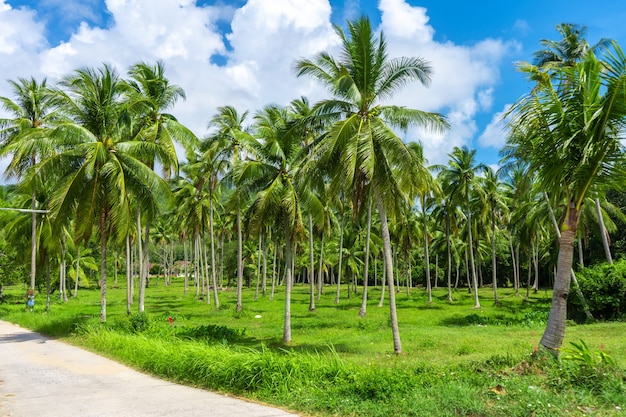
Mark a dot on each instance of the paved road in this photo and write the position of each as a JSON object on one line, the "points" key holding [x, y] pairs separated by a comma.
{"points": [[41, 377]]}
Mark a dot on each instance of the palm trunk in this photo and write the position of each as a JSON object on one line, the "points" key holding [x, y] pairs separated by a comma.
{"points": [[363, 309], [311, 267], [604, 233], [494, 275], [238, 307], [63, 270], [555, 328], [103, 266], [288, 285], [320, 270], [340, 261], [213, 269], [33, 242], [449, 251], [426, 255], [186, 269], [471, 253], [129, 277], [397, 346], [77, 270], [142, 278]]}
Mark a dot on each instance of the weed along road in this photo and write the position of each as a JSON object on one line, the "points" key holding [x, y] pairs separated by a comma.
{"points": [[47, 378]]}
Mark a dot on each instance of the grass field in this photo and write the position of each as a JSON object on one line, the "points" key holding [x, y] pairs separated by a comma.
{"points": [[456, 360]]}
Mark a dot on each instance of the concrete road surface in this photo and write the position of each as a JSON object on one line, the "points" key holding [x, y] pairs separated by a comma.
{"points": [[41, 377]]}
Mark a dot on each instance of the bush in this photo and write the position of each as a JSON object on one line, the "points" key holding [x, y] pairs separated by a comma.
{"points": [[604, 289]]}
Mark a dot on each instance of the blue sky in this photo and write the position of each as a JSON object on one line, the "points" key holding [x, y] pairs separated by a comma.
{"points": [[240, 52]]}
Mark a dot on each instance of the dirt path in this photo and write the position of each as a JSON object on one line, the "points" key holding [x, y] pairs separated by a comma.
{"points": [[41, 377]]}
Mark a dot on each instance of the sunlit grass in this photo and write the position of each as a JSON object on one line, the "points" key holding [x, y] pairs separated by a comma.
{"points": [[456, 360]]}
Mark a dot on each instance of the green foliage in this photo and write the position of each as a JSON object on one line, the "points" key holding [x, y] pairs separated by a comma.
{"points": [[594, 371], [604, 289], [139, 322], [212, 332]]}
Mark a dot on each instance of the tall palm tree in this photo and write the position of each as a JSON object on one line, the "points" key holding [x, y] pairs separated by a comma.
{"points": [[461, 177], [99, 171], [361, 146], [569, 130], [236, 142], [24, 136], [150, 96], [272, 176], [426, 188], [497, 209]]}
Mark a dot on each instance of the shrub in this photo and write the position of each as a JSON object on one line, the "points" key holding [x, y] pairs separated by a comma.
{"points": [[604, 289]]}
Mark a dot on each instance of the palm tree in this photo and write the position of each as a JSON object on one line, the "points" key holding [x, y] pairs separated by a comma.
{"points": [[98, 172], [150, 95], [272, 176], [460, 175], [24, 136], [361, 148], [497, 209], [570, 49], [426, 188], [235, 142], [569, 130]]}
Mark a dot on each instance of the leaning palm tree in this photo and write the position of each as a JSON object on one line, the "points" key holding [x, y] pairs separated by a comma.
{"points": [[361, 148], [24, 136], [569, 130], [99, 172]]}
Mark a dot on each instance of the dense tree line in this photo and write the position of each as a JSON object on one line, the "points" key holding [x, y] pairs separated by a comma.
{"points": [[324, 194]]}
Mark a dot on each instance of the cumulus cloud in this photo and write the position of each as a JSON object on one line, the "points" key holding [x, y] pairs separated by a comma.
{"points": [[252, 65], [494, 134]]}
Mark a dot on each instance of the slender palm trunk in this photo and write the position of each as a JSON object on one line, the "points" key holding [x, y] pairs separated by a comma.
{"points": [[471, 253], [63, 270], [339, 272], [320, 270], [77, 270], [186, 269], [397, 346], [604, 233], [213, 269], [238, 307], [33, 242], [265, 253], [48, 288], [129, 277], [494, 275], [366, 267], [142, 277], [311, 267], [103, 266], [258, 267], [426, 255], [449, 251], [581, 257], [288, 286]]}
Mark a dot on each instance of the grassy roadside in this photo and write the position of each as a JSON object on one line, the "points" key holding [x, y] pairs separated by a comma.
{"points": [[457, 360]]}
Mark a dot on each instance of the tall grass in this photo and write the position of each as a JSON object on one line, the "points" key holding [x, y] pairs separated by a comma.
{"points": [[457, 360]]}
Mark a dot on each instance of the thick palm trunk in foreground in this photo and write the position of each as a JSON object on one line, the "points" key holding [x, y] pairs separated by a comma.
{"points": [[555, 329]]}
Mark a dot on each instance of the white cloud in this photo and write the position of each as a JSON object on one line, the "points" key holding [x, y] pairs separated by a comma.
{"points": [[494, 134], [267, 37]]}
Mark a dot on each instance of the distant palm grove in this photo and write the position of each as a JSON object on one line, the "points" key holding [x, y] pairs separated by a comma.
{"points": [[322, 194]]}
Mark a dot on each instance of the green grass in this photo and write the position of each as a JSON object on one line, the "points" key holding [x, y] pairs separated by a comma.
{"points": [[456, 360]]}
